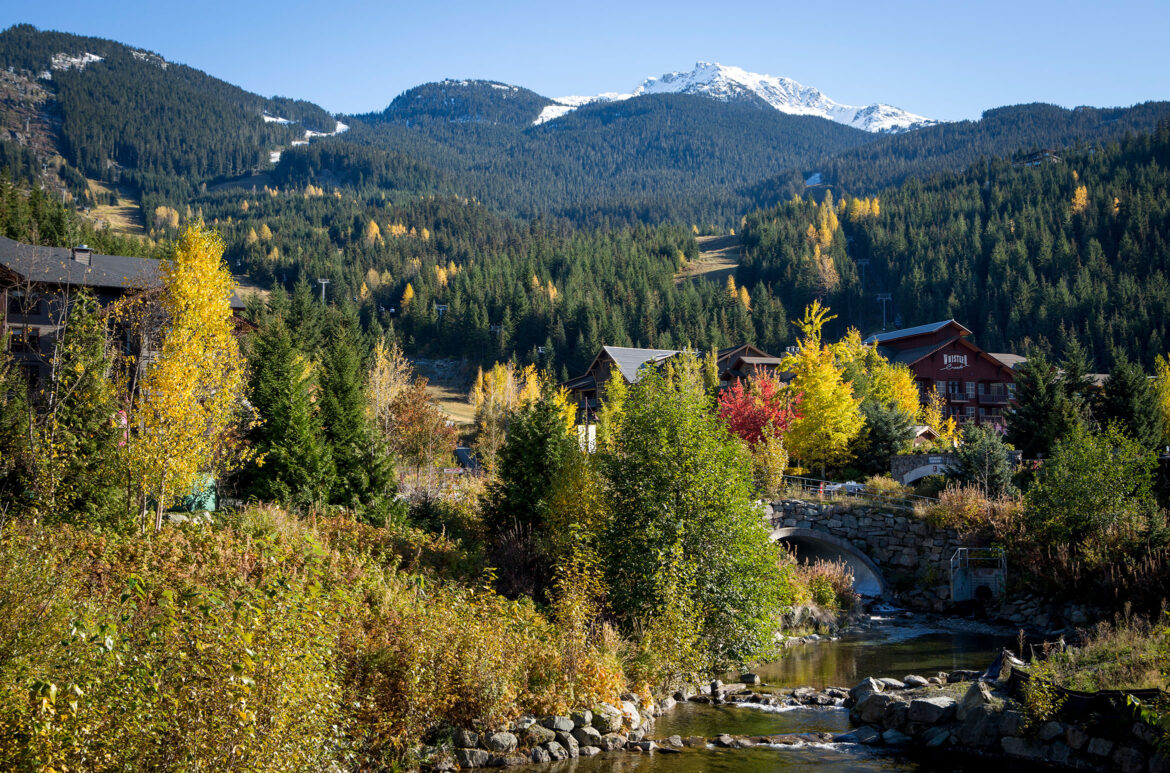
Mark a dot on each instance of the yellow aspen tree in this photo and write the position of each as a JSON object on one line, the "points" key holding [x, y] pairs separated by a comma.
{"points": [[830, 416], [745, 299], [407, 295], [932, 416], [189, 403], [373, 279], [874, 207], [424, 234], [265, 232], [372, 234], [252, 237], [244, 205], [390, 376], [729, 287], [1080, 201]]}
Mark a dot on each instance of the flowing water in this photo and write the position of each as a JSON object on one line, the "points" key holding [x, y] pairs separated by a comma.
{"points": [[891, 647]]}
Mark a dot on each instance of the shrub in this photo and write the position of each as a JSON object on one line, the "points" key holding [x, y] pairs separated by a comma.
{"points": [[968, 510]]}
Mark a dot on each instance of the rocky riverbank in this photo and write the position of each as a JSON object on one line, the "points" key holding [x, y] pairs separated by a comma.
{"points": [[978, 718]]}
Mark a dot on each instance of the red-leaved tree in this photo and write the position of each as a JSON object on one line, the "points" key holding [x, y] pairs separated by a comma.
{"points": [[764, 407]]}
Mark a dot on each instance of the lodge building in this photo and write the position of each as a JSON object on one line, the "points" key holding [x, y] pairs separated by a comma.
{"points": [[36, 287], [977, 385]]}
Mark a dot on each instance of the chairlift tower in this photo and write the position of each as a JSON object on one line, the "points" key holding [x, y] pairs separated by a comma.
{"points": [[322, 282], [883, 299]]}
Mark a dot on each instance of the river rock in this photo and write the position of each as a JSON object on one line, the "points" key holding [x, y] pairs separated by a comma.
{"points": [[582, 718], [607, 718], [933, 710], [936, 736], [540, 755], [1058, 753], [501, 743], [635, 735], [589, 751], [867, 735], [466, 739], [473, 758], [894, 738], [1100, 747], [896, 715], [750, 679], [914, 681], [674, 740], [556, 751], [611, 741], [892, 684], [977, 696], [558, 724], [1128, 760], [523, 723], [980, 728], [587, 736], [872, 707], [1022, 747], [1075, 737], [1050, 730], [537, 735], [866, 687], [630, 712], [569, 742]]}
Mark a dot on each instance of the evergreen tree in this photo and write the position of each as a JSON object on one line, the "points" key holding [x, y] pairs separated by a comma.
{"points": [[293, 463], [888, 431], [1129, 400], [364, 478], [1042, 412], [982, 460], [1074, 376]]}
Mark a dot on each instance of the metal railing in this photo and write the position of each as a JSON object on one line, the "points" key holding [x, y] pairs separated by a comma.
{"points": [[817, 488], [973, 568]]}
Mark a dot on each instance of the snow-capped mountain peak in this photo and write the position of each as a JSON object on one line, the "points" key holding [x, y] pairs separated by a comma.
{"points": [[726, 83]]}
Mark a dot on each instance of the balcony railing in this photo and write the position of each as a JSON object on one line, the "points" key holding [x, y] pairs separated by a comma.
{"points": [[993, 399]]}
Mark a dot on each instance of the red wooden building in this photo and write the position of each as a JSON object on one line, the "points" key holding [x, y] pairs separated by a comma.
{"points": [[977, 385]]}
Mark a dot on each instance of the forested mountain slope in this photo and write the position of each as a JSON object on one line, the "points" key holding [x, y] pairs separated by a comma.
{"points": [[1019, 254], [129, 114]]}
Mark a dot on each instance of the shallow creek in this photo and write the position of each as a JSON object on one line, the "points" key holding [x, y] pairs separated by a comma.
{"points": [[889, 647]]}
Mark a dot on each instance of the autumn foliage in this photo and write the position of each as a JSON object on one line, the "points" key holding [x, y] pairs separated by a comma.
{"points": [[762, 407]]}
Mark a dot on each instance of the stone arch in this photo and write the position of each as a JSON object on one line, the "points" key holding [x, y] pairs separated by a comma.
{"points": [[811, 544], [924, 470]]}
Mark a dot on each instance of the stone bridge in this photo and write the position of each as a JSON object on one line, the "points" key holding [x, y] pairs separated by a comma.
{"points": [[890, 551]]}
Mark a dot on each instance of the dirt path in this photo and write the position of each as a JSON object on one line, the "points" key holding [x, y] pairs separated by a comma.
{"points": [[125, 217], [718, 258]]}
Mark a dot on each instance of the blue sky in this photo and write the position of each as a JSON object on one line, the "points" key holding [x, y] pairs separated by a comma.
{"points": [[943, 59]]}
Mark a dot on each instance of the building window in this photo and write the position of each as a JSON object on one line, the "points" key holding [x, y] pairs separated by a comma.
{"points": [[997, 390], [970, 411], [971, 389], [953, 387]]}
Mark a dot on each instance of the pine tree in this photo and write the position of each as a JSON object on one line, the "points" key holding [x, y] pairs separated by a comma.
{"points": [[1042, 412], [292, 462], [1074, 377], [364, 477], [1129, 400], [982, 460]]}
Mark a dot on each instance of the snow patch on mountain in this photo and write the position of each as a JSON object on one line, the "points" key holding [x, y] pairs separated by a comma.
{"points": [[65, 61], [733, 84]]}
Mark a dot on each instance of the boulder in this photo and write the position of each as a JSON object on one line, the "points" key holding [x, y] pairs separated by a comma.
{"points": [[558, 724], [466, 739], [894, 738], [725, 741], [977, 696], [540, 754], [630, 712], [914, 681], [674, 740], [510, 760], [523, 723], [536, 735], [936, 736], [1022, 747], [607, 718], [569, 743], [1011, 722], [980, 728], [871, 707], [867, 735], [896, 716], [1075, 737], [866, 687], [646, 746], [587, 736], [750, 679], [501, 743], [1050, 731], [1100, 747], [665, 705], [589, 751], [1058, 753], [556, 751], [611, 741], [583, 718], [892, 684], [933, 710], [635, 735], [473, 758]]}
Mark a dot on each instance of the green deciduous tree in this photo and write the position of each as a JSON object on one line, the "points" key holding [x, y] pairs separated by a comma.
{"points": [[679, 490], [1095, 493]]}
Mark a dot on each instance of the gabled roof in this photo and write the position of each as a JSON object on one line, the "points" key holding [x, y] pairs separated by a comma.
{"points": [[932, 327], [55, 265], [1012, 361], [629, 361]]}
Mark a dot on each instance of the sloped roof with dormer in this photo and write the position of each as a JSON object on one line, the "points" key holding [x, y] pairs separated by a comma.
{"points": [[931, 327]]}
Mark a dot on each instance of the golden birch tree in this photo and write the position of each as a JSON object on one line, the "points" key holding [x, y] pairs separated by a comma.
{"points": [[187, 408]]}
